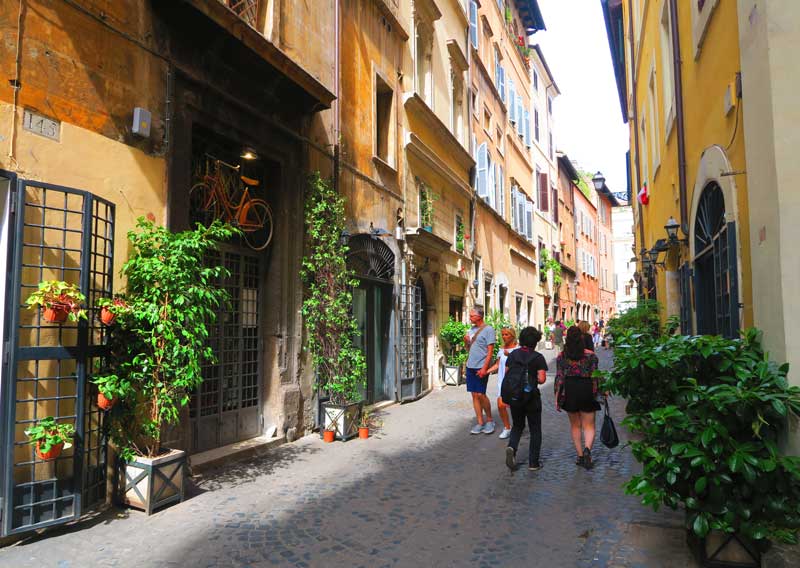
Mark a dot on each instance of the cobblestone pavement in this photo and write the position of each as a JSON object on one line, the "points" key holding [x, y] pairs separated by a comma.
{"points": [[423, 492]]}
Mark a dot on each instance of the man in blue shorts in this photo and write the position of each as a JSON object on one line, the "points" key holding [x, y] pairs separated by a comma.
{"points": [[480, 340]]}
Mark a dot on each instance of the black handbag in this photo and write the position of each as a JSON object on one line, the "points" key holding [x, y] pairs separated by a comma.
{"points": [[608, 433]]}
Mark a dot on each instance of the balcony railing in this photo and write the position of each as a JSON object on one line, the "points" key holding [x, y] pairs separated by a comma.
{"points": [[247, 10]]}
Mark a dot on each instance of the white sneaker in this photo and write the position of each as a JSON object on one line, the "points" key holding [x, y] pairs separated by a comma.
{"points": [[505, 433], [488, 428], [477, 429]]}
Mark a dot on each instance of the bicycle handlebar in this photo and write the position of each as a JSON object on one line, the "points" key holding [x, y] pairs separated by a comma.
{"points": [[224, 163]]}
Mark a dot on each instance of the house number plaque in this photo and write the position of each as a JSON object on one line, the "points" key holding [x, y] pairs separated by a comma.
{"points": [[41, 125]]}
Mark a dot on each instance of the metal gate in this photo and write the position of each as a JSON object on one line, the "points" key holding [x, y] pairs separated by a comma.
{"points": [[411, 348], [58, 234], [226, 408]]}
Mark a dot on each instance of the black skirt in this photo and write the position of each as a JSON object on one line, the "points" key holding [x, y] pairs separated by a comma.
{"points": [[579, 395]]}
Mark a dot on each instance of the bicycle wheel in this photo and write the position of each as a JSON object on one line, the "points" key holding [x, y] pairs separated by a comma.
{"points": [[203, 205], [256, 224]]}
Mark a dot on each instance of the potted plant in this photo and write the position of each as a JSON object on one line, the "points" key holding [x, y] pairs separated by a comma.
{"points": [[426, 199], [59, 301], [709, 412], [339, 364], [157, 351], [368, 421], [50, 437], [455, 352], [110, 388], [110, 307]]}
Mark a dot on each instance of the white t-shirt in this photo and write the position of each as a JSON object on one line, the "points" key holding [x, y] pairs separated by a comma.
{"points": [[501, 368]]}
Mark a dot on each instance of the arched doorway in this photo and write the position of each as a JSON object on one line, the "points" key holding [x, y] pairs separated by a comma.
{"points": [[715, 266], [373, 264]]}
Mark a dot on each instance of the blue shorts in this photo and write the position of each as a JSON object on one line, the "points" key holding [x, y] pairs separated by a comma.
{"points": [[475, 383]]}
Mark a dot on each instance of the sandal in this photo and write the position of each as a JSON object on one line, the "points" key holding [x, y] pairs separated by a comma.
{"points": [[587, 458]]}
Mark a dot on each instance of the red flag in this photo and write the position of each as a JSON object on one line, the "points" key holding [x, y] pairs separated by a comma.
{"points": [[644, 197]]}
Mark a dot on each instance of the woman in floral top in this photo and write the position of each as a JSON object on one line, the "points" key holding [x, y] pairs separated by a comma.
{"points": [[576, 392]]}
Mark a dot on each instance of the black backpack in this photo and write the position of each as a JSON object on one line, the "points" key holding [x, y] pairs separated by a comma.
{"points": [[518, 388]]}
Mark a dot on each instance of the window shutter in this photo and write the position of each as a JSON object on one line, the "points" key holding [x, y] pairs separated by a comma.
{"points": [[521, 199], [490, 187], [497, 68], [527, 125], [529, 220], [543, 190], [555, 205], [512, 105], [514, 207], [536, 124], [502, 85], [501, 193], [473, 23], [520, 116], [482, 165]]}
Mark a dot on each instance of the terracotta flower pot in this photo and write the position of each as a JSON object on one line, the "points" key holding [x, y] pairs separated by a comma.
{"points": [[104, 403], [55, 313], [363, 433], [54, 452], [106, 316], [329, 435]]}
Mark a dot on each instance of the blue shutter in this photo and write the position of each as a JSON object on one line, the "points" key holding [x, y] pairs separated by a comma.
{"points": [[512, 101], [529, 220], [488, 196], [473, 23], [482, 166], [520, 116], [527, 127], [501, 192]]}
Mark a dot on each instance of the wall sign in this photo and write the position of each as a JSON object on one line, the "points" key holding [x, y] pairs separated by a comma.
{"points": [[41, 125]]}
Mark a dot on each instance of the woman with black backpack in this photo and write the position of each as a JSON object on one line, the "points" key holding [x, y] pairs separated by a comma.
{"points": [[525, 371]]}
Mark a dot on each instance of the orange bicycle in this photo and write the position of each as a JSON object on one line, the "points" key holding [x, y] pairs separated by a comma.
{"points": [[214, 198]]}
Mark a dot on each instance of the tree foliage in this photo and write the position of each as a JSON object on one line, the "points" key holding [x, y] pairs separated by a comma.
{"points": [[159, 343]]}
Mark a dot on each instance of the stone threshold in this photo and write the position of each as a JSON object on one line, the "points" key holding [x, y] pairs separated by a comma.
{"points": [[204, 461]]}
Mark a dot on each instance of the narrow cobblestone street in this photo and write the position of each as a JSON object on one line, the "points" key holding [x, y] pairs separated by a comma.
{"points": [[423, 492]]}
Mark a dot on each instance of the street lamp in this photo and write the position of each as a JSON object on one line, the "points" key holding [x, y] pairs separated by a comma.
{"points": [[599, 181], [672, 227]]}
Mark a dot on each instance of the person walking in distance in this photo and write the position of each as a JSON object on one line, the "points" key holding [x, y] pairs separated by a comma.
{"points": [[588, 342], [576, 392], [480, 341], [558, 335], [509, 344], [525, 370]]}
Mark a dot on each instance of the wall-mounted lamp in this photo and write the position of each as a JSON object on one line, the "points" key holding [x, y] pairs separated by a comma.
{"points": [[599, 181], [248, 154], [475, 284], [344, 238]]}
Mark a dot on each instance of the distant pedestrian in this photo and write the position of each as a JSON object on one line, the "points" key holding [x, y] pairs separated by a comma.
{"points": [[576, 392], [509, 336], [480, 340], [530, 407], [596, 335], [588, 342], [558, 335]]}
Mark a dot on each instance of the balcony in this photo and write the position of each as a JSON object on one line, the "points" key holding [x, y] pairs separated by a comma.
{"points": [[247, 10]]}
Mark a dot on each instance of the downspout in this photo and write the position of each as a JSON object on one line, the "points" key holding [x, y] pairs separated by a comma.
{"points": [[676, 65], [336, 102], [635, 122]]}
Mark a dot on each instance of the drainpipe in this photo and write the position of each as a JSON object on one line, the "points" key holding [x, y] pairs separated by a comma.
{"points": [[337, 107], [676, 65], [635, 119]]}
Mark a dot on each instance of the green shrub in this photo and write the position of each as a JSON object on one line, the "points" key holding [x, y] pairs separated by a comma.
{"points": [[642, 318], [710, 423], [452, 337]]}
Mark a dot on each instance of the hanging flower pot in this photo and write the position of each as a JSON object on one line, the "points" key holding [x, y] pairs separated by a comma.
{"points": [[51, 454], [59, 301], [106, 316], [55, 313], [329, 435], [104, 403]]}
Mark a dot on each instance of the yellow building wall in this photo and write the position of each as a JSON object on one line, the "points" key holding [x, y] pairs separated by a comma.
{"points": [[705, 80]]}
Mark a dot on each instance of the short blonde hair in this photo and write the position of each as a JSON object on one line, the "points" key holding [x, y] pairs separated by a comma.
{"points": [[584, 326], [511, 330]]}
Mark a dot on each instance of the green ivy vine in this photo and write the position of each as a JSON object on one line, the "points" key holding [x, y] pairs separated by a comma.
{"points": [[547, 264], [327, 308]]}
